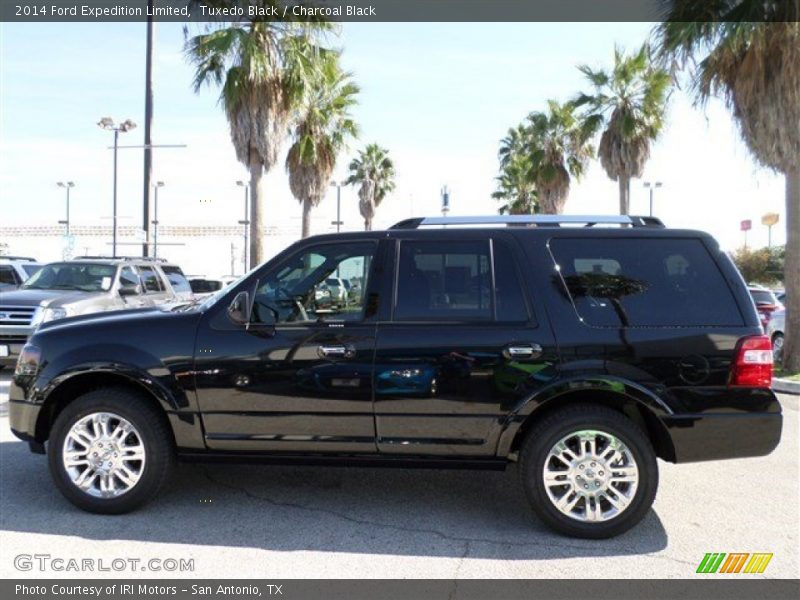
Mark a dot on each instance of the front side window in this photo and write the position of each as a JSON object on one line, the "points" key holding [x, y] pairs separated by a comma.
{"points": [[128, 277], [443, 281], [84, 277], [647, 282], [301, 289], [7, 275]]}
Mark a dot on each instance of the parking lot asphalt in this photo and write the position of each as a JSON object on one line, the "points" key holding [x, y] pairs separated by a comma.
{"points": [[321, 522]]}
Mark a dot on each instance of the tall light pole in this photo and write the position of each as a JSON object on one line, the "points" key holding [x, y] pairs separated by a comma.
{"points": [[651, 186], [107, 123], [148, 122], [245, 222], [445, 193], [338, 222], [156, 185], [68, 185]]}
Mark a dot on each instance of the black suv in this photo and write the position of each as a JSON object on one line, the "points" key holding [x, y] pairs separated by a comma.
{"points": [[580, 353]]}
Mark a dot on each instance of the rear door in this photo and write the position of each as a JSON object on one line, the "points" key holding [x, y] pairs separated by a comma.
{"points": [[460, 346], [155, 290]]}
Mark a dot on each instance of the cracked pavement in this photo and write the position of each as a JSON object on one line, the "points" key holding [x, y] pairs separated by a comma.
{"points": [[320, 522]]}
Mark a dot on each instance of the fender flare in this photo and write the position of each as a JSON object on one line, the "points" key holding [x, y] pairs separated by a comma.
{"points": [[533, 404]]}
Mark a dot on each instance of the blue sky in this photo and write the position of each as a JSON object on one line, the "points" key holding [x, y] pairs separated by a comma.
{"points": [[439, 96]]}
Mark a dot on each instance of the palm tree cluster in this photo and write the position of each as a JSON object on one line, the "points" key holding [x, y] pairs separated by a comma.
{"points": [[279, 80], [748, 52], [540, 158]]}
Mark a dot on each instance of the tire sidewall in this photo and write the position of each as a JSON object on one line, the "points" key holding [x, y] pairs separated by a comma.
{"points": [[142, 420], [627, 432]]}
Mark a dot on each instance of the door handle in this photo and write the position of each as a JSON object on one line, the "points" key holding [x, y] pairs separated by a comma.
{"points": [[522, 351], [336, 351]]}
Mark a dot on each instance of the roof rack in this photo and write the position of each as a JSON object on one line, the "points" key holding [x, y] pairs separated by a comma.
{"points": [[537, 220], [126, 258], [27, 258]]}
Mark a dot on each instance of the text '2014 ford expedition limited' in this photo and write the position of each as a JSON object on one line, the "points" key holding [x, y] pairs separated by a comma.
{"points": [[580, 353]]}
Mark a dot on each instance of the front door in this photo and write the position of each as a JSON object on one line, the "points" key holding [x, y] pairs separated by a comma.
{"points": [[461, 349], [299, 378]]}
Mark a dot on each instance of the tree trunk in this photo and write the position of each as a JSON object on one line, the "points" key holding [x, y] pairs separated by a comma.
{"points": [[256, 212], [306, 218], [791, 273], [624, 195], [367, 224]]}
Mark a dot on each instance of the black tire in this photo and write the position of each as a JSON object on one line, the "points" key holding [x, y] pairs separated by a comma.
{"points": [[554, 427], [155, 437]]}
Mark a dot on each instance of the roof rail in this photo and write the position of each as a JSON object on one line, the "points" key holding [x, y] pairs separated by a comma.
{"points": [[126, 258], [27, 258], [537, 220]]}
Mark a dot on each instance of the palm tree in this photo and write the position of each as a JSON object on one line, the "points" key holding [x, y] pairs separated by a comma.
{"points": [[631, 102], [558, 146], [748, 51], [323, 124], [515, 186], [263, 68], [373, 171]]}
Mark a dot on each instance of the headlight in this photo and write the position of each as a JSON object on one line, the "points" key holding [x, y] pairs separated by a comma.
{"points": [[28, 361], [45, 314]]}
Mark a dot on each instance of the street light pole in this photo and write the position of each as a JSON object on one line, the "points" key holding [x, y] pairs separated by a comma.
{"points": [[245, 222], [108, 124], [651, 187], [338, 222], [158, 184], [68, 185]]}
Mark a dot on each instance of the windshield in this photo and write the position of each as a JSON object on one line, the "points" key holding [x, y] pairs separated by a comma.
{"points": [[84, 277]]}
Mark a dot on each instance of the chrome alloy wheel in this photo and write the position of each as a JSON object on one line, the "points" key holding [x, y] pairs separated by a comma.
{"points": [[104, 455], [590, 476]]}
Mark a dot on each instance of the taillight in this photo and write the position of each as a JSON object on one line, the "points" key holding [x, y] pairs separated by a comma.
{"points": [[752, 363]]}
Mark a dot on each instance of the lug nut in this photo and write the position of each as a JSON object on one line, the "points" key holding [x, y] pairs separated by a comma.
{"points": [[601, 473], [593, 464], [583, 466], [586, 486]]}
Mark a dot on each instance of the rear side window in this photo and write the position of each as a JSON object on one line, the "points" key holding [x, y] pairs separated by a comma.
{"points": [[177, 279], [644, 283], [150, 279], [444, 280]]}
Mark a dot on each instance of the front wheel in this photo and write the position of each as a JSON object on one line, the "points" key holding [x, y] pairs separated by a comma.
{"points": [[110, 451], [588, 471]]}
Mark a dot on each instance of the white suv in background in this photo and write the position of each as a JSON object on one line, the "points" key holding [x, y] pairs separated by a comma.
{"points": [[14, 270]]}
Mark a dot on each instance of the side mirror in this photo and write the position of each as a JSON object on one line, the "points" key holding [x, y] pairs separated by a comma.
{"points": [[239, 309], [130, 290]]}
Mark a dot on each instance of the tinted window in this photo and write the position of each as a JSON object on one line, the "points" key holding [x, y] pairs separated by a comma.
{"points": [[150, 279], [644, 282], [508, 292], [298, 290], [763, 297], [177, 279], [205, 286], [7, 275], [31, 269], [443, 280], [128, 277]]}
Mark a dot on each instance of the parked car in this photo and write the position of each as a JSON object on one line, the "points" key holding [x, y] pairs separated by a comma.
{"points": [[14, 270], [766, 303], [775, 329], [780, 295], [80, 287], [338, 290], [582, 354]]}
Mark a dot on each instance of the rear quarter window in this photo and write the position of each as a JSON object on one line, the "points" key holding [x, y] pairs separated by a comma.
{"points": [[177, 279], [644, 282]]}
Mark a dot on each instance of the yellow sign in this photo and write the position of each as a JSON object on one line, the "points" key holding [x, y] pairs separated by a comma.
{"points": [[770, 219]]}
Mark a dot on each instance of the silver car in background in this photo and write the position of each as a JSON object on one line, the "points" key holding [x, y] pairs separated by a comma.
{"points": [[775, 329]]}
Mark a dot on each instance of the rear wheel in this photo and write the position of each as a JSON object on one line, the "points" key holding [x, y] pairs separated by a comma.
{"points": [[588, 471], [110, 451]]}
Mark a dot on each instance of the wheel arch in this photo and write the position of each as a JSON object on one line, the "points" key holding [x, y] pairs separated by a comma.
{"points": [[640, 412], [68, 389]]}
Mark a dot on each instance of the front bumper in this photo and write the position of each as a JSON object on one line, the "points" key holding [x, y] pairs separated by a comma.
{"points": [[22, 416]]}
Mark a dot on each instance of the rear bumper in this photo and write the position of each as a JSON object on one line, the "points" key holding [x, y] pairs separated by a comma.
{"points": [[717, 436]]}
